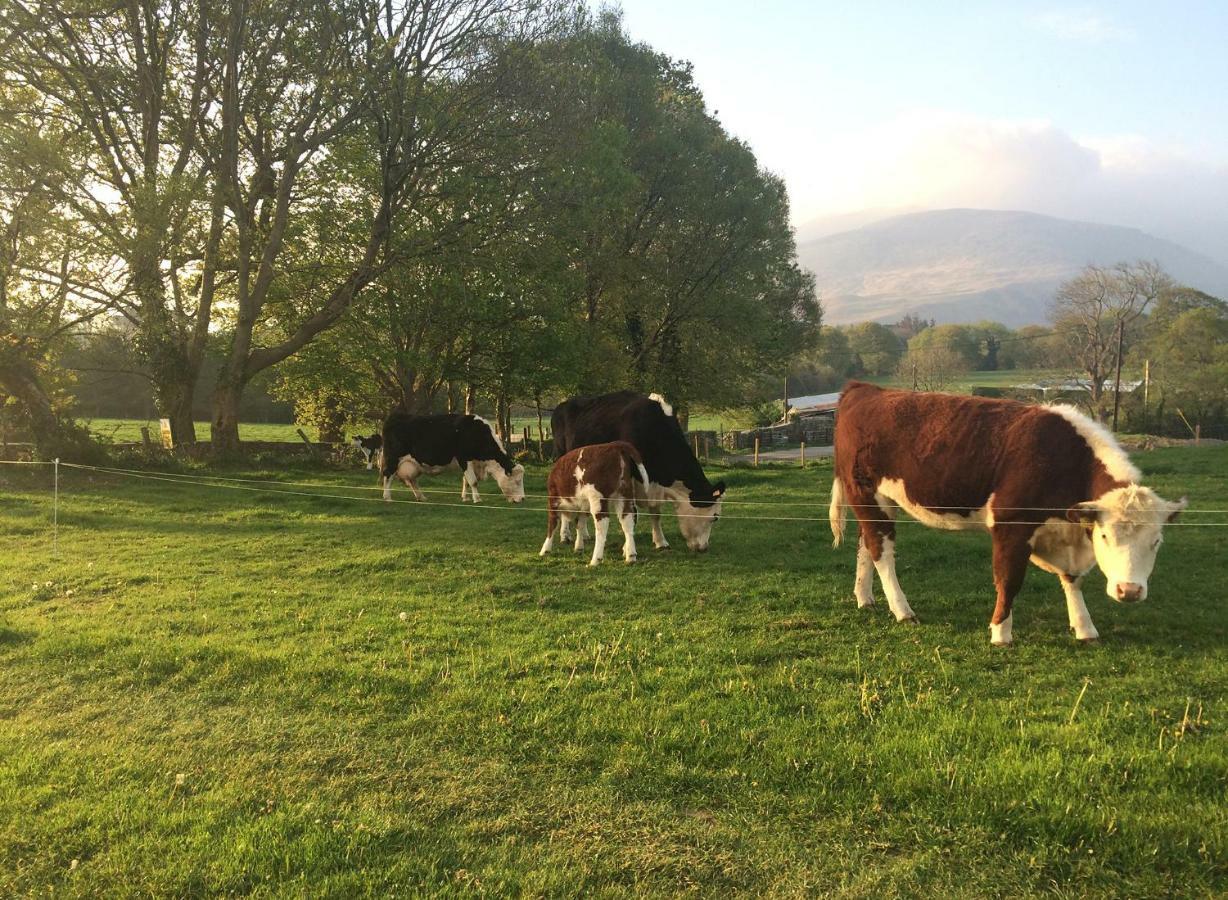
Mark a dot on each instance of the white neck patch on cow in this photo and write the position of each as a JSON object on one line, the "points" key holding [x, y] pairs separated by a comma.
{"points": [[1102, 442], [494, 434], [669, 410]]}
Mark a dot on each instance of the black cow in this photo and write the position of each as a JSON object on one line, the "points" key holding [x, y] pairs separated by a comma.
{"points": [[369, 446], [414, 445], [649, 425]]}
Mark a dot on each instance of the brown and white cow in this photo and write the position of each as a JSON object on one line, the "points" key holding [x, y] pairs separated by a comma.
{"points": [[599, 480], [1049, 484]]}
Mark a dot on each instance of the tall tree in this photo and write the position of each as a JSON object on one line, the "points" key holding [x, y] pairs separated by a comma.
{"points": [[132, 78], [298, 82], [1098, 313]]}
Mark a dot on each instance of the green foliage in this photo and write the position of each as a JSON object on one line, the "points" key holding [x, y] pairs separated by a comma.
{"points": [[875, 347]]}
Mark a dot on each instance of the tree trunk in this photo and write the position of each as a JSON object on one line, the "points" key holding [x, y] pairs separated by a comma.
{"points": [[470, 396], [224, 429]]}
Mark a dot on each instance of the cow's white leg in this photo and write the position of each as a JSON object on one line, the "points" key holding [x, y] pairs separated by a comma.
{"points": [[470, 479], [388, 488], [413, 486], [658, 533], [1000, 634], [549, 544], [601, 527], [1076, 609], [885, 564], [578, 520], [626, 520], [863, 587], [464, 486]]}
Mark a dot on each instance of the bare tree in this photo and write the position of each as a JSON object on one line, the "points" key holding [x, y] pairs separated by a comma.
{"points": [[1098, 312]]}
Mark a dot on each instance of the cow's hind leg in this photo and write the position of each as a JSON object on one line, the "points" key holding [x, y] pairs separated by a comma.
{"points": [[601, 528], [1010, 562], [878, 536], [552, 516], [863, 587]]}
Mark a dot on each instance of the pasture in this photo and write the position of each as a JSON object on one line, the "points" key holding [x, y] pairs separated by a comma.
{"points": [[215, 690]]}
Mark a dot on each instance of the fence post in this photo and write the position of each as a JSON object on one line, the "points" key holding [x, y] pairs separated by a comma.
{"points": [[756, 451], [803, 454], [55, 512]]}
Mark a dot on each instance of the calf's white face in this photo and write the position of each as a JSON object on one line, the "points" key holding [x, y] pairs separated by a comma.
{"points": [[511, 485], [1126, 528]]}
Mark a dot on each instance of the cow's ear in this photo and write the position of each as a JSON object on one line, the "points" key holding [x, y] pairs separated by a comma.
{"points": [[718, 489], [1174, 509], [1083, 513]]}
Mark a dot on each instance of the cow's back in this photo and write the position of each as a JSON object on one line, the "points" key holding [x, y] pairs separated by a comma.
{"points": [[956, 450]]}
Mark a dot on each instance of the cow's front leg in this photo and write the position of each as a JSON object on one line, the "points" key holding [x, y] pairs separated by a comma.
{"points": [[658, 533], [470, 479], [863, 587], [1076, 609], [1010, 562], [626, 520], [388, 488], [578, 520]]}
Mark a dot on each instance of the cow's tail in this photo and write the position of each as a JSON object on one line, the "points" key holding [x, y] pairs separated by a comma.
{"points": [[635, 461], [836, 512]]}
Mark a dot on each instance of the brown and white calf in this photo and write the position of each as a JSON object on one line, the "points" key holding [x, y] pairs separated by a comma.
{"points": [[599, 480], [1050, 485]]}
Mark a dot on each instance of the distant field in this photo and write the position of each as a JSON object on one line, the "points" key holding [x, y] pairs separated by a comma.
{"points": [[124, 430], [216, 691]]}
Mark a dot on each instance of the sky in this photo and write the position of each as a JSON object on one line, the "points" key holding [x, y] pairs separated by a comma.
{"points": [[1113, 112]]}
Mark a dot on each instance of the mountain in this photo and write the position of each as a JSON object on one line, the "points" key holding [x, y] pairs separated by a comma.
{"points": [[963, 265]]}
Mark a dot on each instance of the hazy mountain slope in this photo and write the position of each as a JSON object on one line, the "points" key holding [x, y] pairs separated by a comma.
{"points": [[960, 265]]}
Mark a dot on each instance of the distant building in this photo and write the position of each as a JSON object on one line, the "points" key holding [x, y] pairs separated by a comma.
{"points": [[813, 405]]}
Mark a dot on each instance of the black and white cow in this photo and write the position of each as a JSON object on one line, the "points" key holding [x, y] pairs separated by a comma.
{"points": [[369, 447], [649, 425], [414, 445]]}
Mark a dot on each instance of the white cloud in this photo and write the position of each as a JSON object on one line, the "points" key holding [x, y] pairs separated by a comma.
{"points": [[1082, 25], [929, 159]]}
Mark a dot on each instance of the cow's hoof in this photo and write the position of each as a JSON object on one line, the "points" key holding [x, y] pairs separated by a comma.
{"points": [[662, 547], [910, 620], [1001, 644], [868, 604], [1088, 642]]}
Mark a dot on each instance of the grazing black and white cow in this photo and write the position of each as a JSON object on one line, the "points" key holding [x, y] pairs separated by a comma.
{"points": [[600, 480], [414, 445], [649, 425], [1048, 483], [369, 447]]}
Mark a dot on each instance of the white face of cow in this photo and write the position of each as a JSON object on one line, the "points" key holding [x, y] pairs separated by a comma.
{"points": [[695, 522], [511, 485], [1126, 527]]}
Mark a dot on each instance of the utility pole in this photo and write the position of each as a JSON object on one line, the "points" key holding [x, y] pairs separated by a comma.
{"points": [[1121, 329]]}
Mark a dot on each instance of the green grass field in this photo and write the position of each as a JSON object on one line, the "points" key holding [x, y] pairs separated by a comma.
{"points": [[216, 691]]}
